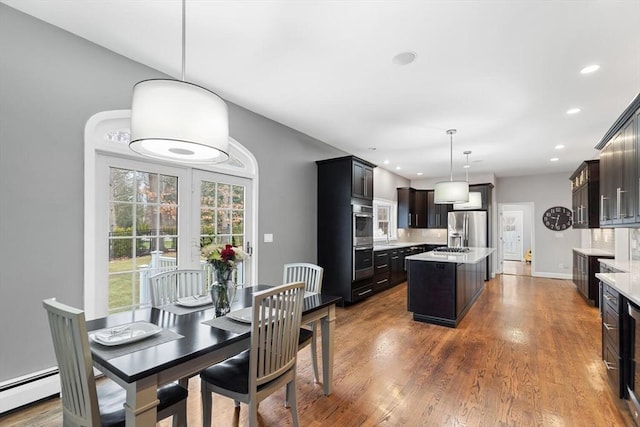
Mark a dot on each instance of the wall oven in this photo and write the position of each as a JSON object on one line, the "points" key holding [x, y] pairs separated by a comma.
{"points": [[362, 225]]}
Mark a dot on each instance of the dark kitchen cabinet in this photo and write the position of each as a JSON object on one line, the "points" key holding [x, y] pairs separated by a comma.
{"points": [[437, 214], [382, 270], [585, 186], [440, 292], [396, 259], [612, 338], [485, 197], [412, 208], [362, 180], [338, 189], [585, 268], [619, 173]]}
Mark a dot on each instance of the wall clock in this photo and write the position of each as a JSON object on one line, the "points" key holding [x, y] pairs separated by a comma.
{"points": [[557, 218]]}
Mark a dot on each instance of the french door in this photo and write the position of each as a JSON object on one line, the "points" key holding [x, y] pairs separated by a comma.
{"points": [[153, 217], [512, 235]]}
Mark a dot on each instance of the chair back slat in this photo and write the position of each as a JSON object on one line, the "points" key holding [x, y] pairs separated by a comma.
{"points": [[274, 342], [167, 287], [71, 346], [310, 274]]}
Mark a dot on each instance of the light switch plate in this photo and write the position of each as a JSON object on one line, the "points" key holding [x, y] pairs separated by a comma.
{"points": [[268, 238]]}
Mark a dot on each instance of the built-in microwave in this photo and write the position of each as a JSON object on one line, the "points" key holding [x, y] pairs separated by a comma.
{"points": [[362, 225]]}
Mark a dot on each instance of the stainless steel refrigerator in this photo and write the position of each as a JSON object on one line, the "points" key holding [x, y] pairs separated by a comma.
{"points": [[469, 229]]}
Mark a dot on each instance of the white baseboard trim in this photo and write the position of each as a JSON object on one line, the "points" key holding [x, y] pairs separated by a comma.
{"points": [[564, 276], [21, 391]]}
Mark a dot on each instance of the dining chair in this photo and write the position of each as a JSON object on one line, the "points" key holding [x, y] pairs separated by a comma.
{"points": [[167, 287], [84, 404], [311, 275], [270, 361]]}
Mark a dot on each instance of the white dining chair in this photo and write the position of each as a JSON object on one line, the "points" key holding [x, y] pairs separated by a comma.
{"points": [[270, 362], [311, 275], [167, 287], [84, 404]]}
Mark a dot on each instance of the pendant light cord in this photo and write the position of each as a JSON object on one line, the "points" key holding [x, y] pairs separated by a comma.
{"points": [[451, 157], [184, 32]]}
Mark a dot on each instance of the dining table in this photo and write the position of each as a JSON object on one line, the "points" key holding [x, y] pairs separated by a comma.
{"points": [[190, 340]]}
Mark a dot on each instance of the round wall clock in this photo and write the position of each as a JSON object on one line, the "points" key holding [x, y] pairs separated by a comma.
{"points": [[557, 218]]}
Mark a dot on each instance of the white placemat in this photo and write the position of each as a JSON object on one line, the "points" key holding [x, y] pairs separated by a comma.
{"points": [[111, 352], [180, 310], [228, 325]]}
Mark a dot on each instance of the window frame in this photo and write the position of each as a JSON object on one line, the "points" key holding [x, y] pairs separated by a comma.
{"points": [[392, 220], [102, 137]]}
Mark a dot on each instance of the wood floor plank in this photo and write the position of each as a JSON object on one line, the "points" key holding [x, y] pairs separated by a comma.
{"points": [[526, 354]]}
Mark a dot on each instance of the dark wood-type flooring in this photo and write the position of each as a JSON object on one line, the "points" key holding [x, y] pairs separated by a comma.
{"points": [[526, 354]]}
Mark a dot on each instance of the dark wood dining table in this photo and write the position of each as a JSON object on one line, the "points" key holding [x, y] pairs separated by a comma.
{"points": [[198, 346]]}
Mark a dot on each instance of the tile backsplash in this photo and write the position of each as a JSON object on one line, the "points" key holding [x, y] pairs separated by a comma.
{"points": [[602, 238], [634, 243]]}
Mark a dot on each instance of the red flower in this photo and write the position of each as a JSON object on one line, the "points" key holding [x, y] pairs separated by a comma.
{"points": [[228, 253]]}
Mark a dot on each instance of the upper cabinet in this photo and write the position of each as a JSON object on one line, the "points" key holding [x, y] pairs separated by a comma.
{"points": [[412, 208], [438, 214], [585, 187], [483, 191], [619, 172], [362, 179]]}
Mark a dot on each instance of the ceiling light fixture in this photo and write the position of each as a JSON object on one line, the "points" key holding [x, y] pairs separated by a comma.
{"points": [[386, 162], [590, 69], [554, 159], [419, 174], [573, 111], [179, 121], [451, 191], [475, 197], [559, 147]]}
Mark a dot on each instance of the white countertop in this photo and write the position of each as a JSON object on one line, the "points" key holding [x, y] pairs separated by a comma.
{"points": [[628, 284], [593, 252], [624, 266], [396, 245], [473, 256]]}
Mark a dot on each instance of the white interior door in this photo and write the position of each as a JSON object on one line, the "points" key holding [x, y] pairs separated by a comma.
{"points": [[223, 214], [512, 235]]}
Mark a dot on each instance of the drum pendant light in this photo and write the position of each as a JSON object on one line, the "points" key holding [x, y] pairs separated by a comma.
{"points": [[179, 121], [447, 192], [475, 197]]}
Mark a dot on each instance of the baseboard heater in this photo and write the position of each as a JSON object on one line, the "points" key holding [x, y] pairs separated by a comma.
{"points": [[18, 392]]}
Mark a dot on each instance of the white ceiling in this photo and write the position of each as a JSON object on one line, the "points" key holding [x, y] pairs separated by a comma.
{"points": [[503, 73]]}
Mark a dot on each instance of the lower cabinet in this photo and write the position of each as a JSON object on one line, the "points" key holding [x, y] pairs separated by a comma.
{"points": [[441, 293], [585, 268], [381, 270]]}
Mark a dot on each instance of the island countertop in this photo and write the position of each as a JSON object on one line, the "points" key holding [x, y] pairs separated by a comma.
{"points": [[473, 256]]}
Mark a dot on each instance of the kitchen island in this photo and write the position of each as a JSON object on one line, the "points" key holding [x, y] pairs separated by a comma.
{"points": [[442, 286]]}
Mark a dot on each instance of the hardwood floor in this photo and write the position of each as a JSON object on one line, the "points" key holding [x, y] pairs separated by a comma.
{"points": [[526, 354], [519, 268]]}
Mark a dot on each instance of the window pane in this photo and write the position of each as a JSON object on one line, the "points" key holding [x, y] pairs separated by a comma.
{"points": [[208, 194], [121, 218], [238, 197], [224, 195], [223, 222], [238, 222], [121, 184], [147, 187], [168, 189]]}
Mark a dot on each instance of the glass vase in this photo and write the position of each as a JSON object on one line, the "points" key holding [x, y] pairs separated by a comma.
{"points": [[223, 291]]}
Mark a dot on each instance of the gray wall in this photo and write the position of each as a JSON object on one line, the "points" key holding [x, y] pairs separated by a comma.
{"points": [[386, 184], [51, 82], [550, 249]]}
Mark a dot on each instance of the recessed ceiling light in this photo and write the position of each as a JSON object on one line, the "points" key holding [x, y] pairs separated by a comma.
{"points": [[554, 159], [590, 69], [404, 58], [573, 111], [419, 173], [398, 168], [372, 148], [386, 162], [559, 147]]}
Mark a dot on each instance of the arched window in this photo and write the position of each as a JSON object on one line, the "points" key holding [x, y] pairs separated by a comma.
{"points": [[143, 216]]}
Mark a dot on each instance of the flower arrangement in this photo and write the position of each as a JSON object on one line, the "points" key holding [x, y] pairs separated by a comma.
{"points": [[223, 258]]}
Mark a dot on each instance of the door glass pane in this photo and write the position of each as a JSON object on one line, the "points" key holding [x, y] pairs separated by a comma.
{"points": [[143, 234], [222, 216]]}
